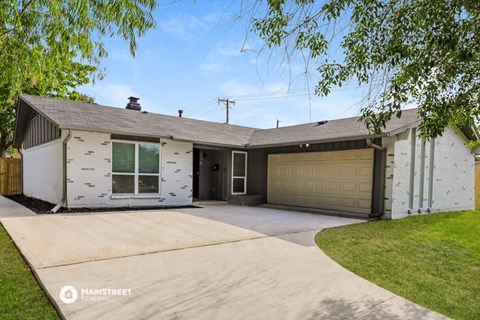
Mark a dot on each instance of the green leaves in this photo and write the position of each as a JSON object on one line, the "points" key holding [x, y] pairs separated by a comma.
{"points": [[51, 47], [407, 52]]}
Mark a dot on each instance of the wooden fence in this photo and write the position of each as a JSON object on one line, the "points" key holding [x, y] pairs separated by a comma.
{"points": [[10, 177], [477, 186]]}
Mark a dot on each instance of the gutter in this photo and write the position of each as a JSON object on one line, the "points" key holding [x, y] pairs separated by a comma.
{"points": [[64, 162]]}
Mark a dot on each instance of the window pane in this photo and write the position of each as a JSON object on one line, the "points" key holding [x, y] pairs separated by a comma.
{"points": [[239, 164], [123, 157], [149, 158], [238, 185], [123, 184], [148, 184]]}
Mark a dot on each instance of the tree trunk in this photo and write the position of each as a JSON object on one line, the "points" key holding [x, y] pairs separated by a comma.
{"points": [[4, 144]]}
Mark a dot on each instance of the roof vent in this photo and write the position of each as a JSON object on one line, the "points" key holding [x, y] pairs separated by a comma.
{"points": [[133, 104], [180, 112], [319, 123]]}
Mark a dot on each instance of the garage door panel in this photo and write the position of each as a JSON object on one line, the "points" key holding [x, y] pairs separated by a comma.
{"points": [[365, 187], [295, 199], [296, 185], [321, 156], [350, 155], [296, 171], [349, 202], [365, 154], [308, 200], [365, 172], [334, 156], [321, 172], [364, 204], [334, 186], [349, 187], [308, 171], [334, 172], [284, 171], [308, 156], [320, 186], [334, 201], [340, 180], [307, 187], [283, 185], [350, 172]]}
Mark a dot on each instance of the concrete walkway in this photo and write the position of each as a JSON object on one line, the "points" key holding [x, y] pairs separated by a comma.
{"points": [[11, 209], [221, 262]]}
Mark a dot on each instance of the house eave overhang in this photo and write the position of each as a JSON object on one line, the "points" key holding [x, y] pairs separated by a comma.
{"points": [[173, 138], [403, 128], [470, 132], [313, 141]]}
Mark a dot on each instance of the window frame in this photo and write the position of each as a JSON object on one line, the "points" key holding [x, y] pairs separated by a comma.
{"points": [[239, 177], [137, 172]]}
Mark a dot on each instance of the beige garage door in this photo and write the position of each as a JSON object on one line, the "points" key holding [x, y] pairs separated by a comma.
{"points": [[340, 180]]}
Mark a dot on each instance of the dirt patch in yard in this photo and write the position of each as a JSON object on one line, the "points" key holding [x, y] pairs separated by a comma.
{"points": [[40, 206]]}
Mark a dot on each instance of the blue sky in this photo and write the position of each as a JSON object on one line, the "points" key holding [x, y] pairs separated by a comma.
{"points": [[195, 57]]}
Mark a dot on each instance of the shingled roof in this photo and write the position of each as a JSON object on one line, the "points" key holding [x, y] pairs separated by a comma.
{"points": [[98, 118]]}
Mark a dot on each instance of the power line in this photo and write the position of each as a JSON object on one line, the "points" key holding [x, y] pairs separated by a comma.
{"points": [[281, 93], [201, 107]]}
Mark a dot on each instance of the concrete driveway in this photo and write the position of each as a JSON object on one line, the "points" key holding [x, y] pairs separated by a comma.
{"points": [[219, 262]]}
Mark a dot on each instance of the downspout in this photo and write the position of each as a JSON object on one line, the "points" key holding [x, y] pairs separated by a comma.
{"points": [[430, 175], [64, 163], [422, 176], [411, 187]]}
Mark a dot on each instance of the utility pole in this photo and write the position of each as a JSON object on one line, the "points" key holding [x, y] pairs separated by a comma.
{"points": [[227, 106]]}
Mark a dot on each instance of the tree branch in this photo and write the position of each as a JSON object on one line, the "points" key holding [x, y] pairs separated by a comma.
{"points": [[24, 9]]}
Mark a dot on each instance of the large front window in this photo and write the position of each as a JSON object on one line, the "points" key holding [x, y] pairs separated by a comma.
{"points": [[135, 168]]}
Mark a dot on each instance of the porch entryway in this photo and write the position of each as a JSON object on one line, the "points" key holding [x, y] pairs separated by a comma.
{"points": [[210, 174]]}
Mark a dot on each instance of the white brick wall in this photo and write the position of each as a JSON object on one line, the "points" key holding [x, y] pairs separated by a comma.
{"points": [[89, 170], [389, 144], [89, 181], [453, 174], [454, 179]]}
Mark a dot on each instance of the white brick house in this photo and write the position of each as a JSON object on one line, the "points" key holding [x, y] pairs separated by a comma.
{"points": [[87, 155]]}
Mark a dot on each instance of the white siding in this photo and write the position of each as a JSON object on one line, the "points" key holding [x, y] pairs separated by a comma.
{"points": [[43, 171], [89, 171], [453, 175]]}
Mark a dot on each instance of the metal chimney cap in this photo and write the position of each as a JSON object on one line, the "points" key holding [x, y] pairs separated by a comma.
{"points": [[133, 104]]}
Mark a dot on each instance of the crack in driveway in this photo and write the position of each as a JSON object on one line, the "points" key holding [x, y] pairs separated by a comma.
{"points": [[177, 249]]}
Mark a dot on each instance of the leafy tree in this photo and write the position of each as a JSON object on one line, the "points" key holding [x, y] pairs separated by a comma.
{"points": [[419, 52], [51, 47]]}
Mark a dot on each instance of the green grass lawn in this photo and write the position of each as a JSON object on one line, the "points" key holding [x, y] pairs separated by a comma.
{"points": [[21, 297], [433, 260]]}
